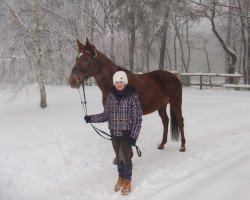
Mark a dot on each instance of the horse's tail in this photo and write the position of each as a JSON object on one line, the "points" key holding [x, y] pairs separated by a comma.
{"points": [[174, 128]]}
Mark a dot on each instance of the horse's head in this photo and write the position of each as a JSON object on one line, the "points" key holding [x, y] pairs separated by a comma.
{"points": [[84, 67]]}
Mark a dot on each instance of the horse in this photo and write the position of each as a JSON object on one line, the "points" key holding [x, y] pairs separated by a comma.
{"points": [[155, 89]]}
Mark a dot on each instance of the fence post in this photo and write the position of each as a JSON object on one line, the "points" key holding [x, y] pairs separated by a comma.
{"points": [[200, 82]]}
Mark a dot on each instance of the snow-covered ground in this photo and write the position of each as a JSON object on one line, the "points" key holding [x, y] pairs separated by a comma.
{"points": [[52, 154]]}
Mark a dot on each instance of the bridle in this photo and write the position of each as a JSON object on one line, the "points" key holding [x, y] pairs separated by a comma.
{"points": [[83, 100], [77, 69]]}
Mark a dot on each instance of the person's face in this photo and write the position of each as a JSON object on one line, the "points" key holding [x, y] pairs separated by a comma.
{"points": [[119, 85]]}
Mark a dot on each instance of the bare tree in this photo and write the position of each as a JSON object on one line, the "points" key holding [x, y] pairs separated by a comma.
{"points": [[242, 7], [248, 64], [37, 43], [177, 26], [130, 18], [204, 49], [175, 53], [210, 12]]}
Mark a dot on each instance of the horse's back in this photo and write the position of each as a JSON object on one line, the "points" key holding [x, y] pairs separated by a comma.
{"points": [[170, 82], [165, 76], [157, 88], [166, 79]]}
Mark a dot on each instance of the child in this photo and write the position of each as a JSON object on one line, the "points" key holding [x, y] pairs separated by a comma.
{"points": [[123, 112]]}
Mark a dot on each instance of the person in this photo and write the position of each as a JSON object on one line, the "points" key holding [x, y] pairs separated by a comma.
{"points": [[123, 112]]}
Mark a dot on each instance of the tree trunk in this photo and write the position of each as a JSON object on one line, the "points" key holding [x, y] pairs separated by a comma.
{"points": [[132, 42], [162, 52], [187, 42], [147, 56], [109, 20], [228, 35], [112, 38], [164, 39], [177, 35], [207, 57], [61, 60], [248, 50], [227, 49], [169, 60], [146, 45], [243, 10], [37, 41], [182, 50], [229, 69], [245, 59], [175, 54]]}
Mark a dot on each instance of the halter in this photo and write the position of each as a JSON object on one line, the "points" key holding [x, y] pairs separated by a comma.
{"points": [[97, 130]]}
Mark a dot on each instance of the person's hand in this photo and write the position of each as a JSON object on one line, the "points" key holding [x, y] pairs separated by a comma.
{"points": [[131, 141], [87, 119]]}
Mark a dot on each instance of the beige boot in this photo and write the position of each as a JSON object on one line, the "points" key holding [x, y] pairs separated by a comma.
{"points": [[119, 184], [126, 186]]}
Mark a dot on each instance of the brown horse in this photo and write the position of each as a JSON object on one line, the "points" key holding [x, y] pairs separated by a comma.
{"points": [[155, 89]]}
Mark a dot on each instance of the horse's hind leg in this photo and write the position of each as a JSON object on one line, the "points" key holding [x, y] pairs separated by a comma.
{"points": [[178, 113], [164, 117]]}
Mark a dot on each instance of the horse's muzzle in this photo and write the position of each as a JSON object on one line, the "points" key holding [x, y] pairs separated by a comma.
{"points": [[74, 81]]}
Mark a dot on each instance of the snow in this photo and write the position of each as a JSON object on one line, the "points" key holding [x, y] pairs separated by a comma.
{"points": [[198, 74], [236, 86], [52, 154], [236, 74], [212, 74]]}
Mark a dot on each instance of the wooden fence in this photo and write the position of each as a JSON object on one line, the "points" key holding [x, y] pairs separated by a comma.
{"points": [[213, 80], [188, 79]]}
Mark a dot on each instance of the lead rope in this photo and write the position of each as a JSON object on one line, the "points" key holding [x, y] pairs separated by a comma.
{"points": [[97, 130], [84, 105]]}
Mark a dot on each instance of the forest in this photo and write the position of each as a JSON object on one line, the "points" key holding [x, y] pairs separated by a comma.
{"points": [[38, 37]]}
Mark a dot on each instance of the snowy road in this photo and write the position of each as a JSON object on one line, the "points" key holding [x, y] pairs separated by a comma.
{"points": [[52, 154], [228, 179]]}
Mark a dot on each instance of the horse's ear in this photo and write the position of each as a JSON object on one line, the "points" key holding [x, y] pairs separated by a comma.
{"points": [[87, 41], [91, 48], [80, 45]]}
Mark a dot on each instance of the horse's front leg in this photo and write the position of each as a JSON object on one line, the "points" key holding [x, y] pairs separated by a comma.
{"points": [[164, 117]]}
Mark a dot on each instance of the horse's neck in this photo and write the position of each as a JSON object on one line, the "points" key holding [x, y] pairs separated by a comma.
{"points": [[104, 76], [104, 80]]}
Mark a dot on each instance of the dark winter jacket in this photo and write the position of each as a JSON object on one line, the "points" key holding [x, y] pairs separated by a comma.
{"points": [[123, 112]]}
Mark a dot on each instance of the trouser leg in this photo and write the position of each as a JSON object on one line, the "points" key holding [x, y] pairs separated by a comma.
{"points": [[126, 149], [120, 168], [119, 161], [123, 151], [116, 146]]}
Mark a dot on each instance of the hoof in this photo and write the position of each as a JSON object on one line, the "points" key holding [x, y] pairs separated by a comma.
{"points": [[161, 147], [182, 149]]}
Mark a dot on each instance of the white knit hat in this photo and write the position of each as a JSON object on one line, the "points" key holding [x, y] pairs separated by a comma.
{"points": [[120, 76]]}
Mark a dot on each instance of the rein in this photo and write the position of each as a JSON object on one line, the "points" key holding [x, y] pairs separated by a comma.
{"points": [[84, 105], [97, 130]]}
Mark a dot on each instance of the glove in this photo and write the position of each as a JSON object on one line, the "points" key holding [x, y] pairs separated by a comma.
{"points": [[87, 119], [130, 140]]}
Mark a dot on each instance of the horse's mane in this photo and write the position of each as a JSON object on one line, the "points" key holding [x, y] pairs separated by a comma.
{"points": [[109, 62], [123, 69]]}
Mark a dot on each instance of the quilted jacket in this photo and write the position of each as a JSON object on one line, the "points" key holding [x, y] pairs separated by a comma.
{"points": [[123, 112]]}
